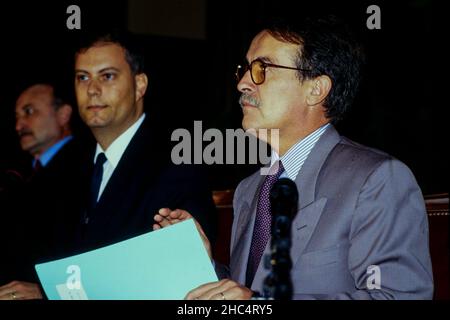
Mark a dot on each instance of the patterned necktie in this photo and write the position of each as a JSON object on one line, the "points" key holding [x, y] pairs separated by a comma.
{"points": [[263, 222], [97, 177]]}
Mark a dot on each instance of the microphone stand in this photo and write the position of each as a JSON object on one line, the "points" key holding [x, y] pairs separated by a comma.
{"points": [[284, 203]]}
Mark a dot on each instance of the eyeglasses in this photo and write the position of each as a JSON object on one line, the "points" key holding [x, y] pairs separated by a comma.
{"points": [[258, 70]]}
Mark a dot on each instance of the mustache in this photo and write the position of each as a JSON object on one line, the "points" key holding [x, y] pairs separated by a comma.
{"points": [[246, 98], [24, 132]]}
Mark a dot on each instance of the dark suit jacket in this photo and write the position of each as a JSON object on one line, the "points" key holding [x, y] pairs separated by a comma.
{"points": [[358, 208], [144, 181], [43, 214]]}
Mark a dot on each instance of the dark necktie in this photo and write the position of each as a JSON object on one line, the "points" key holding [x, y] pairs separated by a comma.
{"points": [[263, 223], [97, 178], [37, 166]]}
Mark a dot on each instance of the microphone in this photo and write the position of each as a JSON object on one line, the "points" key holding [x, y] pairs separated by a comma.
{"points": [[284, 204]]}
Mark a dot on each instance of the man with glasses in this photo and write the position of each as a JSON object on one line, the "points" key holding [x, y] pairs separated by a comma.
{"points": [[361, 230]]}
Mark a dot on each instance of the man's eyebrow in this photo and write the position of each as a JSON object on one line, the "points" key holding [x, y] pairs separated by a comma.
{"points": [[263, 59], [109, 69], [100, 71], [267, 59]]}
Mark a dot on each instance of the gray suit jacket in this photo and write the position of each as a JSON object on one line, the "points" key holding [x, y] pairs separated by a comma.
{"points": [[358, 207]]}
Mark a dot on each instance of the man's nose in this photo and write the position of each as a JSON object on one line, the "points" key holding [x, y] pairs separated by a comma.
{"points": [[20, 124], [246, 84], [94, 88]]}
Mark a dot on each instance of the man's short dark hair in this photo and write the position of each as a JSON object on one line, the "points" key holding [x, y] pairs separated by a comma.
{"points": [[126, 40], [327, 47]]}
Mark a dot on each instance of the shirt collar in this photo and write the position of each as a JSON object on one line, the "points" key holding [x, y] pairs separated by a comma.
{"points": [[46, 156], [294, 158], [117, 148]]}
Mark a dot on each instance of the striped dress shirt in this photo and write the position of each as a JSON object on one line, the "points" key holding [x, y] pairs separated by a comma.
{"points": [[296, 156]]}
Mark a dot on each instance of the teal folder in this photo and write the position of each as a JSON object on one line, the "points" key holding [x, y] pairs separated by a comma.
{"points": [[163, 264]]}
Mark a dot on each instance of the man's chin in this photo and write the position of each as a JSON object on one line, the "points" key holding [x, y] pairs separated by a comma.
{"points": [[247, 124], [32, 149], [96, 126], [27, 145], [96, 123]]}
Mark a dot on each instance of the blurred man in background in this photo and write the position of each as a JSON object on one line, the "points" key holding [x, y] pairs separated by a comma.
{"points": [[41, 221]]}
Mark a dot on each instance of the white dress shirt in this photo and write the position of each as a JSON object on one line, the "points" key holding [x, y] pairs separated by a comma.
{"points": [[114, 153]]}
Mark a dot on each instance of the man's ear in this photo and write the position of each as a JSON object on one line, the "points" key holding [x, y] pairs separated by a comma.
{"points": [[63, 115], [319, 90], [141, 81]]}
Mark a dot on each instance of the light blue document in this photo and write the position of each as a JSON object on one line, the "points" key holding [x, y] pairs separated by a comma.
{"points": [[164, 264]]}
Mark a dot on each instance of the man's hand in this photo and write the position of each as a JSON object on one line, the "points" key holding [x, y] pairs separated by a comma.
{"points": [[166, 217], [225, 289], [19, 290]]}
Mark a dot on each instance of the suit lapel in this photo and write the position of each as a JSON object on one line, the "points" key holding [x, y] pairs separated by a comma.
{"points": [[311, 209], [244, 229], [133, 169]]}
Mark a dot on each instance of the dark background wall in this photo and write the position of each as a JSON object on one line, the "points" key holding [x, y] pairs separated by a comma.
{"points": [[192, 48]]}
